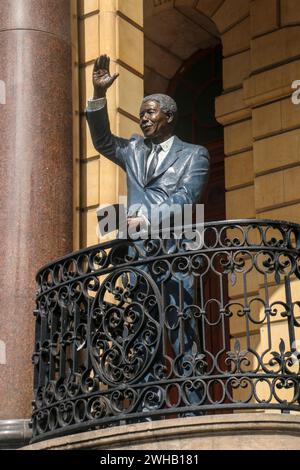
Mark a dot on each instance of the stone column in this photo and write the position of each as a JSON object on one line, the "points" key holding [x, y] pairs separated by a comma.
{"points": [[35, 176]]}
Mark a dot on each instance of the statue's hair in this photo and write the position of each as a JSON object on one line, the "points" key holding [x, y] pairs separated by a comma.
{"points": [[166, 103]]}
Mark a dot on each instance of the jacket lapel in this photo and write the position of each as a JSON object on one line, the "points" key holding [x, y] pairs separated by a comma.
{"points": [[170, 158]]}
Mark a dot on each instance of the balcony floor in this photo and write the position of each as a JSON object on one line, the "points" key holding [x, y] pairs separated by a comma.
{"points": [[242, 431]]}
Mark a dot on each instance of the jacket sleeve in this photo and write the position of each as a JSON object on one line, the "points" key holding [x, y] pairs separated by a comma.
{"points": [[113, 147]]}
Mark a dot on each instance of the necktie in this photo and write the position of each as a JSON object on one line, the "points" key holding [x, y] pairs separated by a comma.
{"points": [[153, 163]]}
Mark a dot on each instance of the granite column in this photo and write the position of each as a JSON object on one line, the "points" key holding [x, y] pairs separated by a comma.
{"points": [[35, 177]]}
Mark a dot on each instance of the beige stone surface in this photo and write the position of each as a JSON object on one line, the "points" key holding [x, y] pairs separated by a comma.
{"points": [[133, 9], [278, 46], [290, 114], [255, 285], [267, 119], [130, 47], [108, 182], [271, 85], [254, 342], [130, 91], [240, 203], [161, 60], [86, 145], [235, 69], [249, 276], [238, 325], [278, 292], [87, 6], [108, 29], [290, 212], [290, 12], [238, 137], [90, 183], [189, 9], [238, 431], [239, 170], [291, 184], [257, 342], [237, 39], [280, 330], [269, 190], [153, 82], [177, 33], [127, 127], [89, 38], [86, 84], [156, 8], [230, 13], [208, 7], [122, 183], [261, 22], [277, 188], [88, 228], [277, 151], [230, 107]]}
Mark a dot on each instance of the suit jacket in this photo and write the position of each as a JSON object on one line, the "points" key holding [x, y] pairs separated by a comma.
{"points": [[180, 179]]}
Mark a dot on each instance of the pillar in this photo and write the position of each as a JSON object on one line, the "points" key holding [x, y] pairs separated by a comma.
{"points": [[35, 177]]}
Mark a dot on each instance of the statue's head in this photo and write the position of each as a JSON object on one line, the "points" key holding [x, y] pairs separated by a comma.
{"points": [[158, 115]]}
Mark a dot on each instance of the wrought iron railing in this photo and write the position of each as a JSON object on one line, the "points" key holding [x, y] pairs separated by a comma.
{"points": [[127, 331]]}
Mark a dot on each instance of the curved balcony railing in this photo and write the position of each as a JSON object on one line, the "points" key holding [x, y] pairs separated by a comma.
{"points": [[119, 339]]}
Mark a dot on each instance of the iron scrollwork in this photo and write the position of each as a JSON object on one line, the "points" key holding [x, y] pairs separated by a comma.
{"points": [[128, 331]]}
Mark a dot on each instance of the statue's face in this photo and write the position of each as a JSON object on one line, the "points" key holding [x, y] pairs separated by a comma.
{"points": [[154, 123]]}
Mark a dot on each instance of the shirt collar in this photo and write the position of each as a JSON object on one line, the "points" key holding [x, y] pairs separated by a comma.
{"points": [[167, 144]]}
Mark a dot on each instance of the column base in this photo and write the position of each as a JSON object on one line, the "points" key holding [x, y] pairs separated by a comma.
{"points": [[14, 433]]}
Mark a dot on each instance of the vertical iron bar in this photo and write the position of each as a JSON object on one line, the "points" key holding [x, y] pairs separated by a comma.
{"points": [[290, 313]]}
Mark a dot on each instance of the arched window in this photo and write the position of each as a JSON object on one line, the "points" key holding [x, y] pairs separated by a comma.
{"points": [[194, 87]]}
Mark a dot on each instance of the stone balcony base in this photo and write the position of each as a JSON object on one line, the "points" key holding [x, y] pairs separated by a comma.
{"points": [[243, 431]]}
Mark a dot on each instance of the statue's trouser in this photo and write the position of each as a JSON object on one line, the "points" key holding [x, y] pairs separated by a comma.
{"points": [[181, 329]]}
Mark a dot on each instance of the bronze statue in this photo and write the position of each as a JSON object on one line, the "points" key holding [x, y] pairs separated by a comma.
{"points": [[161, 169], [162, 172]]}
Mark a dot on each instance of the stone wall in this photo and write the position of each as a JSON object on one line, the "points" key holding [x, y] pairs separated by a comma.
{"points": [[113, 27], [260, 41]]}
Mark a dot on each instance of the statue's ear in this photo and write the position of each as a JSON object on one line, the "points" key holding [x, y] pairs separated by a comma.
{"points": [[170, 117]]}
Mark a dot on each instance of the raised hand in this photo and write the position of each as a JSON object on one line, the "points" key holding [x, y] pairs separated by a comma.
{"points": [[102, 79]]}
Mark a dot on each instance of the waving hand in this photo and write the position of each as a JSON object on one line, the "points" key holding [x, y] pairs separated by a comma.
{"points": [[102, 79]]}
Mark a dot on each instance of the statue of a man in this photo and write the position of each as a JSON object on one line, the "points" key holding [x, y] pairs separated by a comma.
{"points": [[162, 171]]}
